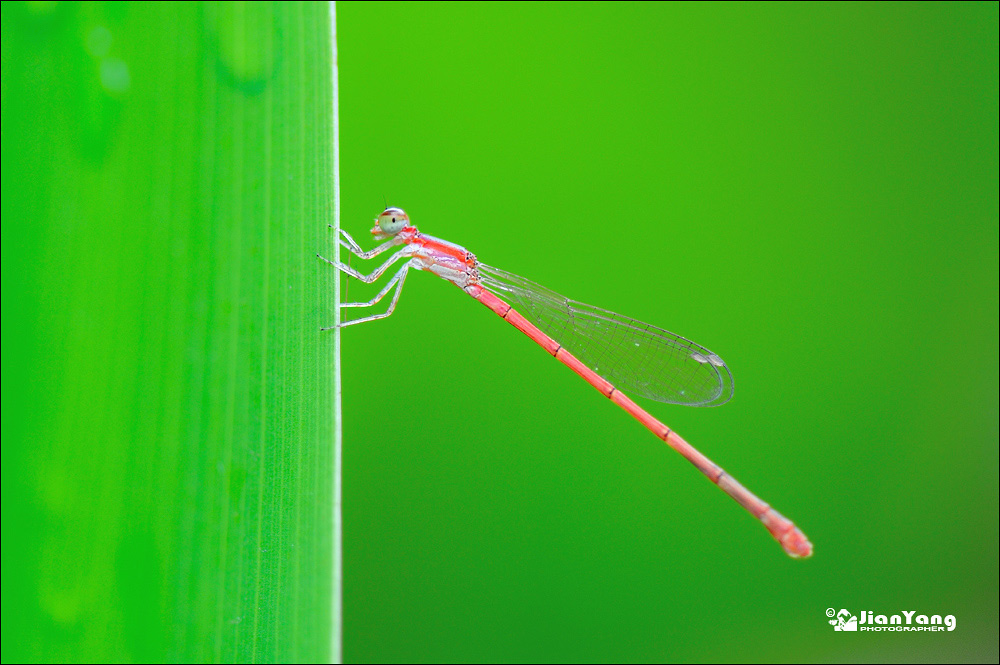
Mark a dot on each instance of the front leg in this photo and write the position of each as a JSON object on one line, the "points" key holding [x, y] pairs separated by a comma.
{"points": [[348, 243]]}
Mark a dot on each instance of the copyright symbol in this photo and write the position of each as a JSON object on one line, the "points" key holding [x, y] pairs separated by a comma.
{"points": [[830, 612]]}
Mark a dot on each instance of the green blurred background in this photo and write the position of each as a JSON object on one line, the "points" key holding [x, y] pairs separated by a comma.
{"points": [[811, 191]]}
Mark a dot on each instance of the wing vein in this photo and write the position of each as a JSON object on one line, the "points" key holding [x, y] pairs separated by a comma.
{"points": [[634, 356]]}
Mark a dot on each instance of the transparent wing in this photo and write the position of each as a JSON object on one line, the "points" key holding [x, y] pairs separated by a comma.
{"points": [[634, 356]]}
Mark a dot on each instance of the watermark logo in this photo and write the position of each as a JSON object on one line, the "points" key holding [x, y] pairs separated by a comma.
{"points": [[844, 620], [905, 621]]}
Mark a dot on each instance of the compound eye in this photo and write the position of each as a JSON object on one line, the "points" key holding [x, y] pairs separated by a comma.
{"points": [[392, 221]]}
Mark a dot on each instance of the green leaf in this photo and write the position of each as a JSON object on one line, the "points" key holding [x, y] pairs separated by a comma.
{"points": [[167, 420]]}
